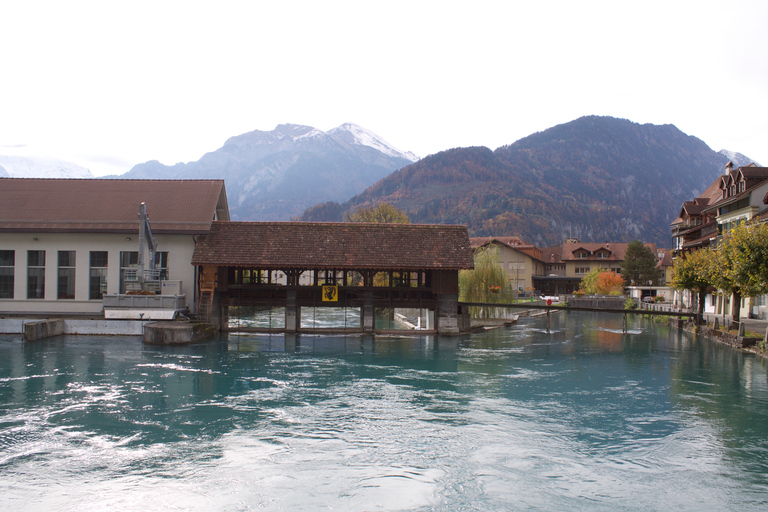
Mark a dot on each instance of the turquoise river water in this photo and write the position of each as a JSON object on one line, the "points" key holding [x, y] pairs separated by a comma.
{"points": [[583, 418]]}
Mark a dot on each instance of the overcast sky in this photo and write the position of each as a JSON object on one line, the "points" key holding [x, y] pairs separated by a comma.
{"points": [[108, 85]]}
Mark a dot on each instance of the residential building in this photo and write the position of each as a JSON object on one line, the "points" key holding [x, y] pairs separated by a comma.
{"points": [[736, 196], [519, 259], [567, 263], [558, 270]]}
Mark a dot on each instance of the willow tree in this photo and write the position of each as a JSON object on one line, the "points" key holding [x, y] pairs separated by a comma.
{"points": [[487, 282]]}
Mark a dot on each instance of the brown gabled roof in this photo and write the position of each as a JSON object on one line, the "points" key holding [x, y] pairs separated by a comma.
{"points": [[666, 258], [616, 250], [104, 205], [348, 245], [513, 242], [753, 172], [552, 254]]}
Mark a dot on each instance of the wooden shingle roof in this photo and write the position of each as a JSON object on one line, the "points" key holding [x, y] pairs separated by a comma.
{"points": [[104, 205], [348, 245]]}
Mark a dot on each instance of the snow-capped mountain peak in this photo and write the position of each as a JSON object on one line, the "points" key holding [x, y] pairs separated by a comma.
{"points": [[39, 167], [738, 159], [355, 134]]}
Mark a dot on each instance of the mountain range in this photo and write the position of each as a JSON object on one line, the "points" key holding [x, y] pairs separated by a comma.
{"points": [[595, 178], [276, 175]]}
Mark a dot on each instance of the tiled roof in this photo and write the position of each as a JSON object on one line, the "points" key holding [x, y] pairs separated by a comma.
{"points": [[513, 242], [348, 245], [617, 251], [666, 258], [104, 205], [552, 254]]}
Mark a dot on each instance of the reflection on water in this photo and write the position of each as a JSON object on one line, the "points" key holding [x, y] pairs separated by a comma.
{"points": [[586, 417]]}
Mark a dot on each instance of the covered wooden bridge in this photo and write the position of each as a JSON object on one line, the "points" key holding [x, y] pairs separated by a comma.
{"points": [[368, 267]]}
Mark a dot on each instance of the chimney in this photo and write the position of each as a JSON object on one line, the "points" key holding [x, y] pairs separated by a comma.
{"points": [[728, 167]]}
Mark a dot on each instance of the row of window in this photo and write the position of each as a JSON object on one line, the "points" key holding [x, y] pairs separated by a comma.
{"points": [[584, 255], [585, 270], [66, 261]]}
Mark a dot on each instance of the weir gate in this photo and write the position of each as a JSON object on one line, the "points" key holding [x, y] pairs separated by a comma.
{"points": [[280, 270]]}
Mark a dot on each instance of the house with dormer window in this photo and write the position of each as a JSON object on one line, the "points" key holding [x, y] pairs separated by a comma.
{"points": [[738, 195], [741, 196], [566, 264]]}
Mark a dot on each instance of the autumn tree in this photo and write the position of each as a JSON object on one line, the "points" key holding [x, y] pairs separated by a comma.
{"points": [[382, 213], [588, 282], [741, 265], [639, 266], [609, 283], [692, 272], [602, 281]]}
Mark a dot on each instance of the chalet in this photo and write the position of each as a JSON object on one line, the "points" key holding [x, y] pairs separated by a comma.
{"points": [[694, 227]]}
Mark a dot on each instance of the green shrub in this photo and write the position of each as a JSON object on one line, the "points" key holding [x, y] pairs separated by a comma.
{"points": [[630, 303]]}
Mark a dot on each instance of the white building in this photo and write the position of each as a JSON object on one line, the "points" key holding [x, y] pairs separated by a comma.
{"points": [[65, 243]]}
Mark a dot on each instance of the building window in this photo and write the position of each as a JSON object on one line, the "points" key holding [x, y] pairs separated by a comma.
{"points": [[7, 267], [582, 255], [129, 277], [161, 264], [582, 270], [35, 274], [97, 284], [66, 278]]}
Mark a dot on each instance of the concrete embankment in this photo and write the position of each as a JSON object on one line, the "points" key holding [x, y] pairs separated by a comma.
{"points": [[177, 333], [41, 328]]}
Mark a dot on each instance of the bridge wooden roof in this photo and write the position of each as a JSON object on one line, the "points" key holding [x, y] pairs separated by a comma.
{"points": [[349, 245]]}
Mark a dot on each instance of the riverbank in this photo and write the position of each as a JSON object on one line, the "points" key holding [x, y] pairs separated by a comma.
{"points": [[749, 342]]}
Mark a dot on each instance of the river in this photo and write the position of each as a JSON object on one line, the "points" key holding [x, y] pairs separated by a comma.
{"points": [[582, 418]]}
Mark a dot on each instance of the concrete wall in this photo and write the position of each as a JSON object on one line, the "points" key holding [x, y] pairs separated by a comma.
{"points": [[79, 326], [179, 248]]}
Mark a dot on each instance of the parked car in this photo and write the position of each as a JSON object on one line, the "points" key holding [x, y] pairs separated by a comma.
{"points": [[648, 298]]}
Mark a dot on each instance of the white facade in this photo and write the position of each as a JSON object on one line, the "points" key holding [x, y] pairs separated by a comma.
{"points": [[178, 247]]}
